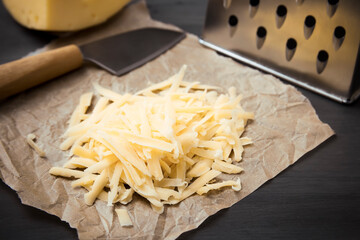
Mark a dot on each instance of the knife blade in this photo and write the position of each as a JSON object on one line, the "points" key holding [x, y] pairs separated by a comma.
{"points": [[145, 44], [117, 54]]}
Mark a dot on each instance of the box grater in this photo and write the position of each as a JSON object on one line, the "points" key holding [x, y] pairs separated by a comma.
{"points": [[311, 43]]}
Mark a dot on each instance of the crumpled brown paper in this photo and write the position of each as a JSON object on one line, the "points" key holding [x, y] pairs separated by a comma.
{"points": [[285, 128]]}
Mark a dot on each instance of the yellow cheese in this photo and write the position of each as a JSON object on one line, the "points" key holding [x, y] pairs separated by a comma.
{"points": [[166, 193], [64, 172], [235, 185], [84, 181], [126, 196], [85, 101], [165, 143], [62, 15], [226, 167], [79, 163], [30, 140], [114, 182], [124, 217], [199, 182], [200, 168], [100, 166], [96, 189], [171, 182]]}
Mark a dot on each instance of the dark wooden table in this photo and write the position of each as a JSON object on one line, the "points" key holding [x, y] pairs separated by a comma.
{"points": [[316, 198]]}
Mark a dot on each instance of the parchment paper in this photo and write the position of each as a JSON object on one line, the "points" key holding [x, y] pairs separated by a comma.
{"points": [[285, 128]]}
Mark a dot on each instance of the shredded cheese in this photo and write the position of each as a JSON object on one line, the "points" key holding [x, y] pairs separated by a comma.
{"points": [[123, 217], [31, 141], [166, 143], [235, 185]]}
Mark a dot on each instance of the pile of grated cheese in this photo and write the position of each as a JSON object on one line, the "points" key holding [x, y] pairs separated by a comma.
{"points": [[165, 142]]}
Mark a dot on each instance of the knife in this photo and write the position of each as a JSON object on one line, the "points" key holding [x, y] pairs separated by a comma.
{"points": [[117, 54]]}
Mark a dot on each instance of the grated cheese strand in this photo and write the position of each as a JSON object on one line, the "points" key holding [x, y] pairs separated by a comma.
{"points": [[30, 140], [123, 217]]}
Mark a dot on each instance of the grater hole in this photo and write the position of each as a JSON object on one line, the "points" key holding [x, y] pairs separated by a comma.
{"points": [[254, 3], [322, 59], [339, 32], [261, 32], [291, 44], [281, 11], [331, 7], [333, 2], [233, 20], [310, 21], [339, 36], [309, 25], [290, 48], [323, 56], [260, 37]]}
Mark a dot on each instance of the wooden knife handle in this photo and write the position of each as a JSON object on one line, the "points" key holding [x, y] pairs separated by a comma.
{"points": [[27, 72]]}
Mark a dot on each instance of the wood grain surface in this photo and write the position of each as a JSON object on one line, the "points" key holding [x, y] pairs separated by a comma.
{"points": [[316, 198]]}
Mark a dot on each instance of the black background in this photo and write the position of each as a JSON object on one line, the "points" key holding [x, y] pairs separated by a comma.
{"points": [[316, 198]]}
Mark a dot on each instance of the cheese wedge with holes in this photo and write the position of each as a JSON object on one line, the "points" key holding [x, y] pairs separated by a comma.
{"points": [[62, 15]]}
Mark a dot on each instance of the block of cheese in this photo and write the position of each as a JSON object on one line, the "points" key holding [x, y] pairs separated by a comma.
{"points": [[62, 15]]}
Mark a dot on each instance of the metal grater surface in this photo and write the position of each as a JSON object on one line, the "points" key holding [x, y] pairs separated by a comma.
{"points": [[314, 44]]}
